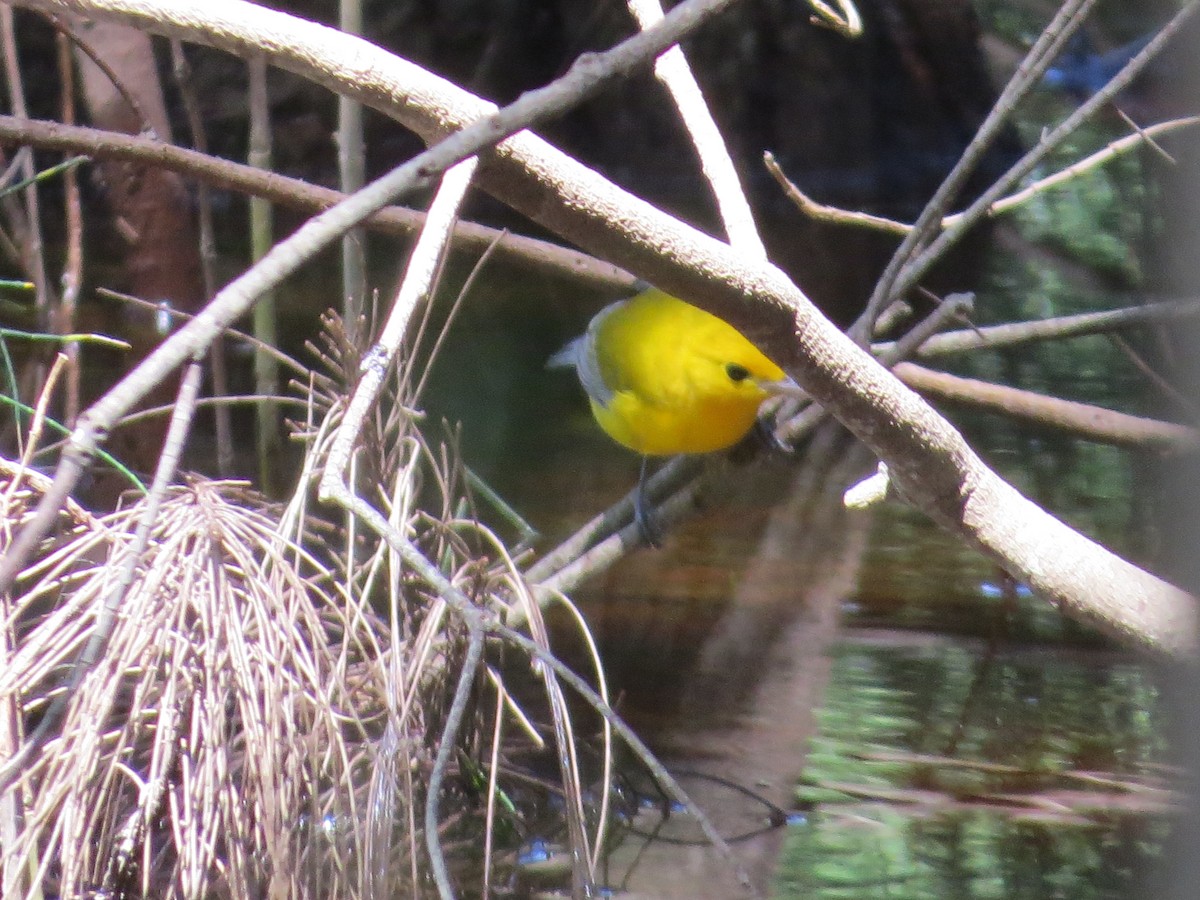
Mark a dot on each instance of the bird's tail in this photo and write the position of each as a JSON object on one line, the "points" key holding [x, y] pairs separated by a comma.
{"points": [[568, 357]]}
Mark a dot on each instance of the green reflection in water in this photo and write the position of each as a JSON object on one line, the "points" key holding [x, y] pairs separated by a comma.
{"points": [[1041, 781]]}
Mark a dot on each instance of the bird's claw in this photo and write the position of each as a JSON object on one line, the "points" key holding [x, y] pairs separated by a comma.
{"points": [[647, 523]]}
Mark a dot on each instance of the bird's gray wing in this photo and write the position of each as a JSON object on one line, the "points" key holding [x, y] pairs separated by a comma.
{"points": [[581, 353]]}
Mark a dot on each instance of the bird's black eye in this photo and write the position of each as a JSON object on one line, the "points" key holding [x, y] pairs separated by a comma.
{"points": [[736, 372]]}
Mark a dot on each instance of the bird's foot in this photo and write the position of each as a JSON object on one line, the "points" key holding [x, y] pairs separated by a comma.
{"points": [[647, 522], [764, 434]]}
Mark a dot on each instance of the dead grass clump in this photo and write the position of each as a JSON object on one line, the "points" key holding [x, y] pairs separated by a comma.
{"points": [[261, 704], [200, 753]]}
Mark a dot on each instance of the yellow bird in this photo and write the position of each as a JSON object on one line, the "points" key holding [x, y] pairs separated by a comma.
{"points": [[665, 377]]}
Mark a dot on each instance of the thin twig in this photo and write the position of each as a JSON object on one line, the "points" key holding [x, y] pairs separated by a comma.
{"points": [[493, 787], [446, 747], [835, 215], [72, 276], [419, 391], [1142, 137], [1146, 136], [1164, 386], [823, 213], [97, 59], [1015, 334], [35, 428], [950, 308], [225, 401], [32, 252], [184, 82], [172, 313]]}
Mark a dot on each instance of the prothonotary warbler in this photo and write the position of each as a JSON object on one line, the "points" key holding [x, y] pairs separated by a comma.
{"points": [[665, 377]]}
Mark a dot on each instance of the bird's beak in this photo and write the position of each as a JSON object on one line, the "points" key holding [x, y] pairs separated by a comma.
{"points": [[784, 388]]}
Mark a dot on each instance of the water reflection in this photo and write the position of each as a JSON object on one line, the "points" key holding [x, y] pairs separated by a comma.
{"points": [[1055, 787]]}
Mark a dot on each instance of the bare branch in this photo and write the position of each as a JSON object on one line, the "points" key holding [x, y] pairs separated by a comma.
{"points": [[1017, 333], [845, 20], [1142, 137], [1080, 419], [673, 71], [222, 173], [823, 213], [1066, 21], [915, 269]]}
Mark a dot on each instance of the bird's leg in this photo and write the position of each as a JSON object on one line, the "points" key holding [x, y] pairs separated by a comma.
{"points": [[643, 511]]}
